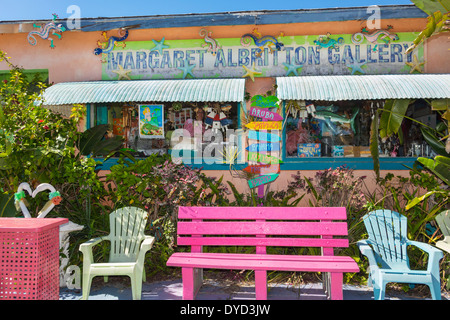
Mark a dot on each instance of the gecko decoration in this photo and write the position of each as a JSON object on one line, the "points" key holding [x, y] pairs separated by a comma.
{"points": [[110, 43], [212, 44], [44, 32], [261, 41], [216, 118], [375, 36], [21, 204], [326, 41]]}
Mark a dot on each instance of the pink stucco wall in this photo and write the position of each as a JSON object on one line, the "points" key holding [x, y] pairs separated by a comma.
{"points": [[72, 59]]}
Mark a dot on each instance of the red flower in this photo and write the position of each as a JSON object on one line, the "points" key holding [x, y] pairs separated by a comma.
{"points": [[40, 121], [45, 127]]}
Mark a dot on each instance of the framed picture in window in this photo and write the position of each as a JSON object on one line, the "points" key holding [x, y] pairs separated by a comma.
{"points": [[151, 121]]}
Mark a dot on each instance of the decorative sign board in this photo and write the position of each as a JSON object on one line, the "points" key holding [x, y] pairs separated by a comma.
{"points": [[262, 158], [264, 125], [306, 150], [262, 168], [188, 58], [265, 114], [263, 147], [263, 136], [261, 180]]}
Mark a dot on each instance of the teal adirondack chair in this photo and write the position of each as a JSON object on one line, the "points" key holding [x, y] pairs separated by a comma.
{"points": [[128, 248], [443, 220], [388, 259]]}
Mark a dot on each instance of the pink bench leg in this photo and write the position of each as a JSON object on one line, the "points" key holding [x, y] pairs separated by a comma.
{"points": [[261, 284], [188, 283], [336, 281], [192, 281]]}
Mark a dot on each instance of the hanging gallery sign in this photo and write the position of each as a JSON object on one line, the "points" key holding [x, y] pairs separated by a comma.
{"points": [[151, 121], [249, 56]]}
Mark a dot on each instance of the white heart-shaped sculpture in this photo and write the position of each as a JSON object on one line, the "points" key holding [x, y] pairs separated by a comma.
{"points": [[54, 198]]}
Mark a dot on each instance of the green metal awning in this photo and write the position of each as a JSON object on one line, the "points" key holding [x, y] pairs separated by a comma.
{"points": [[364, 87], [192, 90]]}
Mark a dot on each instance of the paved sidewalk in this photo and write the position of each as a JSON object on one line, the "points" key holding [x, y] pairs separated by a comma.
{"points": [[213, 290]]}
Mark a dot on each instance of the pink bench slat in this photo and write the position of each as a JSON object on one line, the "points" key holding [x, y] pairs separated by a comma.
{"points": [[264, 213], [247, 241], [262, 228], [264, 262]]}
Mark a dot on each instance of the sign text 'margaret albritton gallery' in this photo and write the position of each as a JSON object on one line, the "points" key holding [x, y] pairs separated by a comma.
{"points": [[233, 57]]}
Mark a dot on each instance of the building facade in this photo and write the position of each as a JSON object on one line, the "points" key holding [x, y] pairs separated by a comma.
{"points": [[268, 92]]}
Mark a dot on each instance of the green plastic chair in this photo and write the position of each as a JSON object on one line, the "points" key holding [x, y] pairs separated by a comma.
{"points": [[388, 259], [443, 221], [128, 248]]}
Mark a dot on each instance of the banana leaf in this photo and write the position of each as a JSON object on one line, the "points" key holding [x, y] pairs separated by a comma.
{"points": [[374, 144], [7, 207], [92, 141], [392, 116], [431, 6], [438, 17], [440, 166], [434, 142]]}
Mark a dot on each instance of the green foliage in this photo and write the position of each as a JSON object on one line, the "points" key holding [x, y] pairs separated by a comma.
{"points": [[392, 116], [160, 186], [7, 208], [374, 144], [270, 199], [438, 19], [39, 146], [93, 143]]}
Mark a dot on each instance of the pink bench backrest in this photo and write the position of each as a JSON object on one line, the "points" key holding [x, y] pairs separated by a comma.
{"points": [[249, 226]]}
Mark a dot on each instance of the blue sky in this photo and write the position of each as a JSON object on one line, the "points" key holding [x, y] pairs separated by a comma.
{"points": [[42, 9]]}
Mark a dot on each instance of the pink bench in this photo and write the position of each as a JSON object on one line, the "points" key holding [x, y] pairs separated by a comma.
{"points": [[261, 227]]}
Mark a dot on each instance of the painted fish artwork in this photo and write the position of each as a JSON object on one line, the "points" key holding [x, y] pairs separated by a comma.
{"points": [[263, 147], [44, 32], [265, 114], [263, 136], [262, 180]]}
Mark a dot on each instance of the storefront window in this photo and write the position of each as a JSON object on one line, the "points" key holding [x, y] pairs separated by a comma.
{"points": [[197, 125], [342, 129]]}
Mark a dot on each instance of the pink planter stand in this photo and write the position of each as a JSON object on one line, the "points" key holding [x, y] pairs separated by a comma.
{"points": [[29, 258]]}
